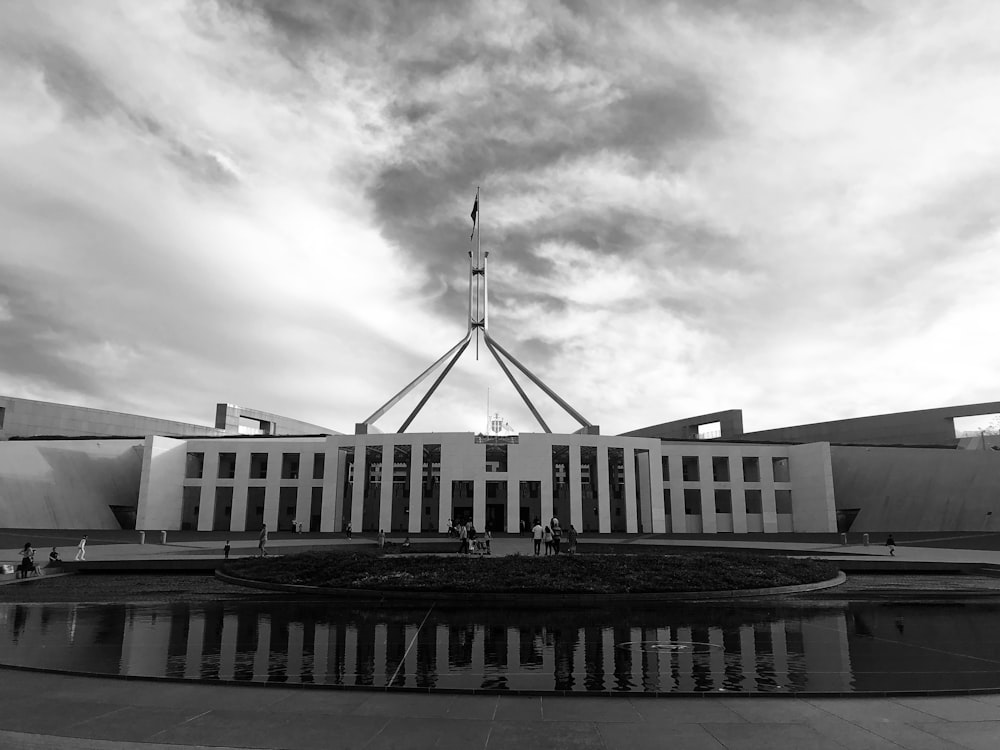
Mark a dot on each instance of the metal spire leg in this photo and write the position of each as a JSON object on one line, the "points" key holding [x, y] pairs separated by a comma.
{"points": [[517, 386], [433, 388]]}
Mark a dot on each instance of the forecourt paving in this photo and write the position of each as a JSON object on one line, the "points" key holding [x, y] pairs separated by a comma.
{"points": [[40, 710]]}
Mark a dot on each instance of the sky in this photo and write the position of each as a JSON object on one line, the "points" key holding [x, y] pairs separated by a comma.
{"points": [[785, 207]]}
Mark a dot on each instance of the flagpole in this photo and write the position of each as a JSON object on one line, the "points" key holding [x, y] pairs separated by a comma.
{"points": [[479, 256]]}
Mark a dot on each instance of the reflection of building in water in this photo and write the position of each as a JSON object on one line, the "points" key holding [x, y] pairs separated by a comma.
{"points": [[78, 638], [747, 651]]}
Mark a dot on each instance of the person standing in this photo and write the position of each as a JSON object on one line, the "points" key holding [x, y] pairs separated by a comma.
{"points": [[556, 536], [536, 536], [27, 561], [489, 538], [572, 539], [226, 549], [547, 538], [891, 544], [463, 539], [81, 549], [348, 529], [381, 538], [262, 540]]}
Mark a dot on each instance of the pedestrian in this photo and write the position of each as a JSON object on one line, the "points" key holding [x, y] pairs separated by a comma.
{"points": [[572, 539], [536, 536], [348, 530], [381, 538], [451, 528], [225, 550], [891, 544], [27, 561], [81, 549], [463, 539], [556, 536], [489, 538], [262, 540], [547, 538]]}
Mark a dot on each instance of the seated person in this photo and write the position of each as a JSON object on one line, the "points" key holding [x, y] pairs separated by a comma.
{"points": [[54, 559], [27, 561]]}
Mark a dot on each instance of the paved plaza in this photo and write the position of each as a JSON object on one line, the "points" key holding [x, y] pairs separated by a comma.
{"points": [[42, 710]]}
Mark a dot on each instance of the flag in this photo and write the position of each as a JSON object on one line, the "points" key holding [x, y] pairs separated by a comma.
{"points": [[475, 215]]}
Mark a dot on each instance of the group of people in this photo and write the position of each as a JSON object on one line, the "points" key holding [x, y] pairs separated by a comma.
{"points": [[28, 565], [468, 538], [551, 536]]}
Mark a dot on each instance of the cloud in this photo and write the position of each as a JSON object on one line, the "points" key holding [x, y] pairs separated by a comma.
{"points": [[784, 207]]}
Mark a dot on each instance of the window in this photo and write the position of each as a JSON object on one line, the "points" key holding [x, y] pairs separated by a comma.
{"points": [[258, 466], [780, 466], [720, 468], [723, 501], [227, 465], [195, 466], [666, 500], [753, 501], [665, 463], [289, 465], [692, 502], [496, 457], [3, 413], [783, 501], [751, 469], [689, 468], [319, 465]]}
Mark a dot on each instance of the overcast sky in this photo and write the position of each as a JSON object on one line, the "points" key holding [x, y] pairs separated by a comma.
{"points": [[784, 207]]}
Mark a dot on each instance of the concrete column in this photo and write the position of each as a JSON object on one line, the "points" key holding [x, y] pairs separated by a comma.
{"points": [[678, 518], [415, 518], [333, 481], [575, 489], [603, 491], [241, 484], [653, 471], [479, 500], [206, 510], [631, 502], [385, 494], [358, 490], [546, 488], [272, 490]]}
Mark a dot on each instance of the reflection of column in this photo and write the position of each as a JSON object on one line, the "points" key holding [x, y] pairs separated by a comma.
{"points": [[748, 657], [321, 643], [717, 658], [478, 665], [262, 656], [548, 649], [513, 650], [195, 643], [227, 648], [358, 488], [380, 652], [144, 645], [351, 656], [295, 647], [780, 653], [410, 662], [630, 500], [685, 662], [608, 648], [826, 652]]}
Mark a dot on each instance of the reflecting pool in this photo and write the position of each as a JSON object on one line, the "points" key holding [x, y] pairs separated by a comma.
{"points": [[760, 648]]}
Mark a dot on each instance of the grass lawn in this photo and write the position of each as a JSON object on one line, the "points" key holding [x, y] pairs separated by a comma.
{"points": [[591, 573]]}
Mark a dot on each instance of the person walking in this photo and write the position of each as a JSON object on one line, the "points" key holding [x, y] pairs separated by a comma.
{"points": [[572, 534], [262, 540], [556, 536], [547, 538], [891, 544], [81, 549], [348, 529], [226, 549], [463, 539], [536, 536], [489, 538], [381, 538]]}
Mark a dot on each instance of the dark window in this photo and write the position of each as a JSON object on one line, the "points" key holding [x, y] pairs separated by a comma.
{"points": [[689, 469], [753, 501], [751, 469], [783, 501], [720, 468], [258, 466], [195, 466], [665, 463], [3, 413], [289, 465], [666, 500], [227, 465], [780, 466], [319, 465], [723, 501], [692, 502]]}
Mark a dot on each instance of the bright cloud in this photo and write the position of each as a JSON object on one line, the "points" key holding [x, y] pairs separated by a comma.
{"points": [[692, 207]]}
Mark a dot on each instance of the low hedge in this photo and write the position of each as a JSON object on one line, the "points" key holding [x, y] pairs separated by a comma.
{"points": [[613, 573]]}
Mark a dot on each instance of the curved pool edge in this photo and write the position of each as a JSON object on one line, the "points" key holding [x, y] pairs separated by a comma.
{"points": [[529, 599]]}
